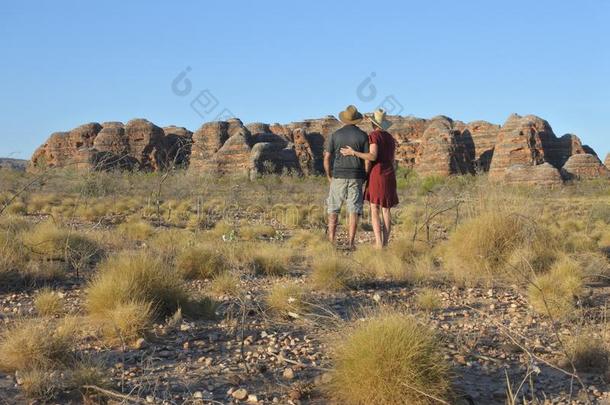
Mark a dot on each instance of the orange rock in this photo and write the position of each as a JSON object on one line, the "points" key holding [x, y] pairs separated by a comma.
{"points": [[584, 166]]}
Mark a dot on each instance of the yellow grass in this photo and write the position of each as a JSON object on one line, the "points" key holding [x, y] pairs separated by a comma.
{"points": [[389, 359]]}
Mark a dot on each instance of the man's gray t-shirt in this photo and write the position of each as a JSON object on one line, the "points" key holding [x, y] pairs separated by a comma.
{"points": [[347, 167]]}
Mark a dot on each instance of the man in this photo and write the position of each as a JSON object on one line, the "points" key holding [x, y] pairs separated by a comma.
{"points": [[347, 174]]}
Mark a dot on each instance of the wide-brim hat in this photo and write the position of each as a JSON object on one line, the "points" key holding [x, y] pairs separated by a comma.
{"points": [[351, 115], [379, 119]]}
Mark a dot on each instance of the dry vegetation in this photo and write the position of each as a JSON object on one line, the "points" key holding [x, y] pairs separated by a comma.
{"points": [[186, 288]]}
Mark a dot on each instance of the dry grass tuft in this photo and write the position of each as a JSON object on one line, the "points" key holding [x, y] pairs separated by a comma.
{"points": [[588, 352], [40, 384], [331, 273], [36, 343], [381, 263], [136, 230], [48, 303], [482, 248], [225, 283], [270, 259], [554, 293], [389, 359], [125, 322], [285, 299], [256, 232], [428, 299], [136, 277], [200, 262], [52, 242]]}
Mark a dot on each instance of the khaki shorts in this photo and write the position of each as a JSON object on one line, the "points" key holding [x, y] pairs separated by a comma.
{"points": [[348, 190]]}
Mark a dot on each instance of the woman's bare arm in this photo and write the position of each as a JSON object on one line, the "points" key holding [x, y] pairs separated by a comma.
{"points": [[370, 156]]}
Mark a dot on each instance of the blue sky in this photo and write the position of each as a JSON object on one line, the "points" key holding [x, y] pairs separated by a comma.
{"points": [[64, 63]]}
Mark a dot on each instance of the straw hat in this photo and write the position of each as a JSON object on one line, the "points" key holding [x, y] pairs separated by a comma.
{"points": [[378, 118], [350, 115]]}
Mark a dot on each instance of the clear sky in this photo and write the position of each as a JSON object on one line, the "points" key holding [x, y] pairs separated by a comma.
{"points": [[63, 63]]}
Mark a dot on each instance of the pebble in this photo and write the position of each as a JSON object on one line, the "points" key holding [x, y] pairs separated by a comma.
{"points": [[288, 373], [140, 344], [240, 394]]}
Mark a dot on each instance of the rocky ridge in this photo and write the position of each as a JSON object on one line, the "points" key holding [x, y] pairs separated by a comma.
{"points": [[522, 150]]}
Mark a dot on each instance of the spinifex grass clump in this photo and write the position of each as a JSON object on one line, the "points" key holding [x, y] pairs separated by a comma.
{"points": [[48, 303], [44, 353], [133, 288], [389, 359], [225, 283], [588, 352], [53, 242], [201, 262], [286, 299], [554, 294], [498, 244], [268, 259], [331, 273], [36, 343], [375, 263]]}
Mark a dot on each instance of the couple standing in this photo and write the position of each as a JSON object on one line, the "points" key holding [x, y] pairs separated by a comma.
{"points": [[351, 158]]}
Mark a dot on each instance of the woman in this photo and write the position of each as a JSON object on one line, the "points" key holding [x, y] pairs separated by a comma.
{"points": [[381, 186]]}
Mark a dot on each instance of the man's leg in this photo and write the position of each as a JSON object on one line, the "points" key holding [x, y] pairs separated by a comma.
{"points": [[379, 240], [354, 207], [332, 227], [353, 226], [333, 203], [387, 225]]}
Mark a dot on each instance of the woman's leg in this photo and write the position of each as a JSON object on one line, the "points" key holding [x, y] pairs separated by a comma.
{"points": [[376, 225], [387, 225]]}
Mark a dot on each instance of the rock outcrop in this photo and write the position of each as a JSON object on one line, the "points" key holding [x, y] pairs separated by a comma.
{"points": [[479, 139], [523, 150], [441, 152], [13, 164], [139, 144], [519, 142], [584, 167], [544, 174], [607, 161]]}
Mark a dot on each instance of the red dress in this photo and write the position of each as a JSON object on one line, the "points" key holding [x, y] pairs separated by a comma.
{"points": [[381, 185]]}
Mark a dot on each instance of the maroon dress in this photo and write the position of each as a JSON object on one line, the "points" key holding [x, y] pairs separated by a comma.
{"points": [[381, 185]]}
